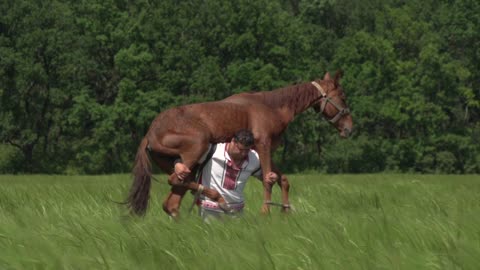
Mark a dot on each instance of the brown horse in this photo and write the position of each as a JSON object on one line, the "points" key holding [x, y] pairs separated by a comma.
{"points": [[187, 131]]}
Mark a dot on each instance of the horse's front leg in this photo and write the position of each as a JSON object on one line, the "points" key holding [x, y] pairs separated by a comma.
{"points": [[264, 152], [285, 187]]}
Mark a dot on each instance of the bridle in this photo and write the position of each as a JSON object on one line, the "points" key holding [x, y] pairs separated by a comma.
{"points": [[326, 99]]}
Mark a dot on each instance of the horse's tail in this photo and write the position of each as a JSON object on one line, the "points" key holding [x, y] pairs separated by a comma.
{"points": [[137, 200]]}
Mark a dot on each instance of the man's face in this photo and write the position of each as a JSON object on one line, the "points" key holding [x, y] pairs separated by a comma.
{"points": [[238, 150]]}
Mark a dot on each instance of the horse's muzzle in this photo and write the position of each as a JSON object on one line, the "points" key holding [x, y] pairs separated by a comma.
{"points": [[345, 133]]}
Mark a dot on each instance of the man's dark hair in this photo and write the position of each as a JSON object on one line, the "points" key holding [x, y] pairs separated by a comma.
{"points": [[244, 137]]}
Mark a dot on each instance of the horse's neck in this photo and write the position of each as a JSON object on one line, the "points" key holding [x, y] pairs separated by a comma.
{"points": [[295, 98]]}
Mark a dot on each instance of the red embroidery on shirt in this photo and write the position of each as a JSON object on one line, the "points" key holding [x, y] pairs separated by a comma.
{"points": [[231, 174]]}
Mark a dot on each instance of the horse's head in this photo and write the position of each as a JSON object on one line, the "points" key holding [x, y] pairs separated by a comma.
{"points": [[332, 104]]}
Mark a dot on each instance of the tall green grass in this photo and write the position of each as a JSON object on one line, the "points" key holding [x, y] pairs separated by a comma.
{"points": [[338, 222]]}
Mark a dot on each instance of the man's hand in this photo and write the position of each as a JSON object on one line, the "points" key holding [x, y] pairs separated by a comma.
{"points": [[181, 171], [271, 178]]}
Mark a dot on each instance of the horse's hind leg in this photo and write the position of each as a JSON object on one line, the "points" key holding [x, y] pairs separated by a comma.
{"points": [[189, 147], [171, 205], [177, 192], [193, 148]]}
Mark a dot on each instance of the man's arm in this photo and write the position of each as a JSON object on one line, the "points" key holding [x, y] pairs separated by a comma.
{"points": [[271, 177], [181, 170]]}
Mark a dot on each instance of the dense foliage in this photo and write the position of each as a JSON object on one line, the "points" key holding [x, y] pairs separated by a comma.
{"points": [[80, 81]]}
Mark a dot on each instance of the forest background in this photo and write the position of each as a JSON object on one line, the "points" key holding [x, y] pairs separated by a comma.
{"points": [[81, 81]]}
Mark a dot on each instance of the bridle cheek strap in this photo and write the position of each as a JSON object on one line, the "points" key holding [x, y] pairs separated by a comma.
{"points": [[341, 111], [325, 99], [339, 115]]}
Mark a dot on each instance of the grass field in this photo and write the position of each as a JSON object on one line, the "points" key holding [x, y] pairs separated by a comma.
{"points": [[340, 222]]}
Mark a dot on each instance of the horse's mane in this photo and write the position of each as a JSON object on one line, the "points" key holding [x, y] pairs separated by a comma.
{"points": [[297, 97]]}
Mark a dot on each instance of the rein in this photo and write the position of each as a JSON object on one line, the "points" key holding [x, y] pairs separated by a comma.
{"points": [[277, 204], [326, 99]]}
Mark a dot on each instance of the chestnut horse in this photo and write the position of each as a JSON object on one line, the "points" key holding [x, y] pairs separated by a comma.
{"points": [[187, 132]]}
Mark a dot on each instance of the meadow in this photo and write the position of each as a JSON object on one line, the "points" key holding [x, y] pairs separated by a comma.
{"points": [[377, 221]]}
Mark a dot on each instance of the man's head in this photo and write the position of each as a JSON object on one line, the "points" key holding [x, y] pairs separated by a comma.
{"points": [[244, 137], [241, 144]]}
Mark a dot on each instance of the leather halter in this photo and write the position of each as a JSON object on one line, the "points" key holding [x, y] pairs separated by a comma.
{"points": [[326, 99]]}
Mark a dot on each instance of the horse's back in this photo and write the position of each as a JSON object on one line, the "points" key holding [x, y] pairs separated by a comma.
{"points": [[245, 98], [216, 119]]}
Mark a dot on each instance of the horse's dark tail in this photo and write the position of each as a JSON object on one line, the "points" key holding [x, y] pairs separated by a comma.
{"points": [[137, 200]]}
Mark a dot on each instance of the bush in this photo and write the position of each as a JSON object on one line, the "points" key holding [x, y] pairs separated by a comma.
{"points": [[10, 159]]}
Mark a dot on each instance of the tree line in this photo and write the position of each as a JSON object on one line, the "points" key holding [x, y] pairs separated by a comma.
{"points": [[81, 81]]}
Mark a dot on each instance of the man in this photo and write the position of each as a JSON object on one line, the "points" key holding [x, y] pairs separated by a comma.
{"points": [[227, 171]]}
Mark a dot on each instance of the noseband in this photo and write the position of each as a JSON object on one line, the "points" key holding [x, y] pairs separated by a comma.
{"points": [[326, 99]]}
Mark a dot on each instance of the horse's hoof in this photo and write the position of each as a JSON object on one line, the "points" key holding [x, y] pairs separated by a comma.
{"points": [[265, 210], [173, 216]]}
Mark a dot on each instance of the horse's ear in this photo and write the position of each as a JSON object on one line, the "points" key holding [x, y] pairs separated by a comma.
{"points": [[327, 76], [338, 75]]}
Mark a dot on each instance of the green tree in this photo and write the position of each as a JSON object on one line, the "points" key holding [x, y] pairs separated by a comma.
{"points": [[38, 59]]}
